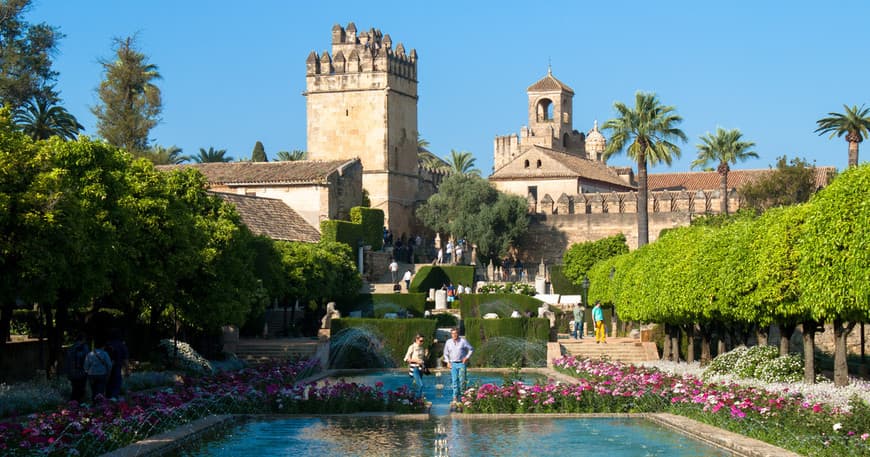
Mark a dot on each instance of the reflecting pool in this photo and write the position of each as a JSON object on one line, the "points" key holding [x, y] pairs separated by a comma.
{"points": [[443, 435]]}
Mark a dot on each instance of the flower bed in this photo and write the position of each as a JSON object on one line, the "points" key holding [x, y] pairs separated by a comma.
{"points": [[785, 419], [92, 430]]}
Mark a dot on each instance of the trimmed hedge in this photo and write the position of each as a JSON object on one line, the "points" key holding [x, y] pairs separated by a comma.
{"points": [[561, 284], [435, 276], [395, 334], [476, 305], [535, 330], [341, 231], [372, 222], [376, 305]]}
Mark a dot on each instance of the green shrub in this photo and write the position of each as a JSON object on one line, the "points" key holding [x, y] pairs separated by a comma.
{"points": [[561, 284], [24, 322], [372, 222], [444, 320], [789, 368], [341, 231], [476, 305], [745, 366], [376, 305], [394, 334], [435, 276], [518, 340]]}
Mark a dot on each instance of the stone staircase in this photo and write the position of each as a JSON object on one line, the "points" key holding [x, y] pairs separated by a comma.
{"points": [[626, 350], [259, 350]]}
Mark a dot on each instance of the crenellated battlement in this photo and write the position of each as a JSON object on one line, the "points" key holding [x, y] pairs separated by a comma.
{"points": [[687, 202], [364, 52]]}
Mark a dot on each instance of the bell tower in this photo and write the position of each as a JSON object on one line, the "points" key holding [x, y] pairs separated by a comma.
{"points": [[551, 113]]}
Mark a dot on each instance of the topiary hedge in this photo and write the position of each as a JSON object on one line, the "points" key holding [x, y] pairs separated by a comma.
{"points": [[435, 276], [341, 231], [395, 334], [561, 284], [532, 333], [476, 305], [376, 305], [372, 222]]}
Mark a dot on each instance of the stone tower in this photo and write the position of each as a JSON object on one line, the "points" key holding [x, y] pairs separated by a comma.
{"points": [[551, 105], [361, 101]]}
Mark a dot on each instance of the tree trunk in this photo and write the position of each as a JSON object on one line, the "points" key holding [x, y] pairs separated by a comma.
{"points": [[720, 344], [642, 200], [675, 343], [706, 357], [690, 348], [809, 334], [723, 192], [841, 367], [853, 154], [785, 333], [666, 346], [761, 334]]}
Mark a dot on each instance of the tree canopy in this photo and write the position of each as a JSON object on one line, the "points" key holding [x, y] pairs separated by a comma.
{"points": [[26, 50], [647, 132], [130, 101], [790, 183], [854, 123], [580, 257], [468, 207], [259, 153]]}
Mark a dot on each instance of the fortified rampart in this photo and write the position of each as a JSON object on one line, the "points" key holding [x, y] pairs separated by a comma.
{"points": [[557, 224]]}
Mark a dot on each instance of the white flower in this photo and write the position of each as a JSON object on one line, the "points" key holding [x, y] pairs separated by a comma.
{"points": [[838, 426]]}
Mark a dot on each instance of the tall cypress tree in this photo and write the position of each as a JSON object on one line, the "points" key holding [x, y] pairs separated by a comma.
{"points": [[131, 103], [259, 154]]}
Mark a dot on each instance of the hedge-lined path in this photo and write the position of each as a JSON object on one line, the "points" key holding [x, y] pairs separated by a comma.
{"points": [[626, 350], [384, 284]]}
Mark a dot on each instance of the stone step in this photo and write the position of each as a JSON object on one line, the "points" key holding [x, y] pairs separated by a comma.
{"points": [[623, 350]]}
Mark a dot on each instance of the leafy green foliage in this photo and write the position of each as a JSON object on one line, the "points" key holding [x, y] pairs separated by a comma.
{"points": [[468, 207], [26, 50], [647, 132], [394, 334], [259, 153], [376, 305], [341, 232], [296, 154], [790, 183], [435, 276], [580, 257], [39, 119], [561, 284], [210, 155], [834, 262], [130, 101], [319, 272], [476, 305], [854, 123], [372, 222]]}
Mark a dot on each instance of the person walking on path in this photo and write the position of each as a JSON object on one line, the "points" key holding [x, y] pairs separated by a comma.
{"points": [[579, 310], [415, 356], [407, 279], [598, 319], [98, 365], [394, 271], [456, 354]]}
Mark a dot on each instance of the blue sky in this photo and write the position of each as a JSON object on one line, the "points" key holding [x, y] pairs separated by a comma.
{"points": [[233, 72]]}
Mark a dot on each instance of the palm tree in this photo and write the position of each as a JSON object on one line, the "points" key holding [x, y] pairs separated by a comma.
{"points": [[462, 163], [284, 156], [41, 119], [160, 155], [726, 148], [855, 124], [210, 156], [647, 132]]}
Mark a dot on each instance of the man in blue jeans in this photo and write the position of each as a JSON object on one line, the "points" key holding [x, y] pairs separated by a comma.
{"points": [[456, 354]]}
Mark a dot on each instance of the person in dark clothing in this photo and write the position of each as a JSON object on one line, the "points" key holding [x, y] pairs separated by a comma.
{"points": [[120, 355], [75, 367]]}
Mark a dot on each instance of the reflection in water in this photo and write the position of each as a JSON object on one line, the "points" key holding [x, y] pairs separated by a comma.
{"points": [[383, 436]]}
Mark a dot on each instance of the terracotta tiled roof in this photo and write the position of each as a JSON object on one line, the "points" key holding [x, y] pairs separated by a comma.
{"points": [[571, 166], [290, 172], [705, 180], [549, 83], [272, 218]]}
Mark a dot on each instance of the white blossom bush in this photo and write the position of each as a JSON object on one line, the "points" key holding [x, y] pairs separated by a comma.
{"points": [[781, 369], [752, 358], [25, 398], [188, 359], [724, 363]]}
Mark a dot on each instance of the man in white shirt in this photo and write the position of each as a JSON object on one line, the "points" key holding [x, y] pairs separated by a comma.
{"points": [[394, 270]]}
